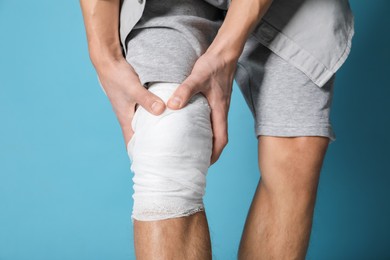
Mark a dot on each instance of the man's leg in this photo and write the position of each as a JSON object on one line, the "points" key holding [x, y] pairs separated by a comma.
{"points": [[279, 221], [177, 238], [170, 156]]}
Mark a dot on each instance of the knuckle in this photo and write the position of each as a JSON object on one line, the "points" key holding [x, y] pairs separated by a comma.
{"points": [[186, 91], [145, 99]]}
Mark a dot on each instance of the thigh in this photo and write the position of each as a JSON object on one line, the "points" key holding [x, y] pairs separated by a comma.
{"points": [[283, 100]]}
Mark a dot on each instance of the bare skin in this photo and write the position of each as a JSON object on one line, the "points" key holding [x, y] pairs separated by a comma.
{"points": [[176, 238], [212, 75], [279, 222]]}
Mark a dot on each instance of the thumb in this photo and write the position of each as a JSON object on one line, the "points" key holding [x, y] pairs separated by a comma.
{"points": [[182, 94], [149, 101]]}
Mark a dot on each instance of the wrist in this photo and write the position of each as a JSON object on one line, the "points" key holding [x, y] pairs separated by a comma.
{"points": [[105, 56], [233, 33], [228, 50]]}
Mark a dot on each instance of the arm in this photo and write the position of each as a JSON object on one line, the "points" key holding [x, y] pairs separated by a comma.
{"points": [[101, 19], [241, 19], [213, 73], [118, 78]]}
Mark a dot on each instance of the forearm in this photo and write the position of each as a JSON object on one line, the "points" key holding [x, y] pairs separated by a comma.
{"points": [[241, 19], [101, 19]]}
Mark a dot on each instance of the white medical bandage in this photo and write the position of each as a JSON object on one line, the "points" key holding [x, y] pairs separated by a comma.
{"points": [[170, 156]]}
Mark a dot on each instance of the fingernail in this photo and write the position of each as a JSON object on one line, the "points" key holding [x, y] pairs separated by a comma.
{"points": [[157, 106], [176, 102]]}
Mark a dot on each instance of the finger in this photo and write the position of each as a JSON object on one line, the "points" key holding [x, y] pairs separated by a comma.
{"points": [[149, 101], [220, 131], [179, 99]]}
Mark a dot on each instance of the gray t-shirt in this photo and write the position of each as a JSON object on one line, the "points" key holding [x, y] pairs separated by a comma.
{"points": [[170, 36]]}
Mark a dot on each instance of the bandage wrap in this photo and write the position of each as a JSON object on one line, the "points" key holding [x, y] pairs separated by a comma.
{"points": [[170, 156]]}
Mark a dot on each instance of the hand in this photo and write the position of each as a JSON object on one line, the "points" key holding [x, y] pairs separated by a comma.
{"points": [[124, 90], [213, 76]]}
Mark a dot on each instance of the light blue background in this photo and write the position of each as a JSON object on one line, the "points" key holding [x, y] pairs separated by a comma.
{"points": [[65, 182]]}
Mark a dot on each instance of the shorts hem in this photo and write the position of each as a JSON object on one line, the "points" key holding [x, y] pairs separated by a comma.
{"points": [[294, 131]]}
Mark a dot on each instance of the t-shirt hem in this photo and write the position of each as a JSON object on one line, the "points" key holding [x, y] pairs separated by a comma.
{"points": [[290, 51]]}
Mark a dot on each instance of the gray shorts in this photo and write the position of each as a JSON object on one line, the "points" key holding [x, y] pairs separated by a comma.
{"points": [[282, 99]]}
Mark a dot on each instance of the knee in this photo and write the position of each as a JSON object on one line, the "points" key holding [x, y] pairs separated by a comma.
{"points": [[177, 135], [170, 156]]}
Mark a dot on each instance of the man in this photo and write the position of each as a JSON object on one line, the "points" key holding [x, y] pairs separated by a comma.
{"points": [[283, 55]]}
